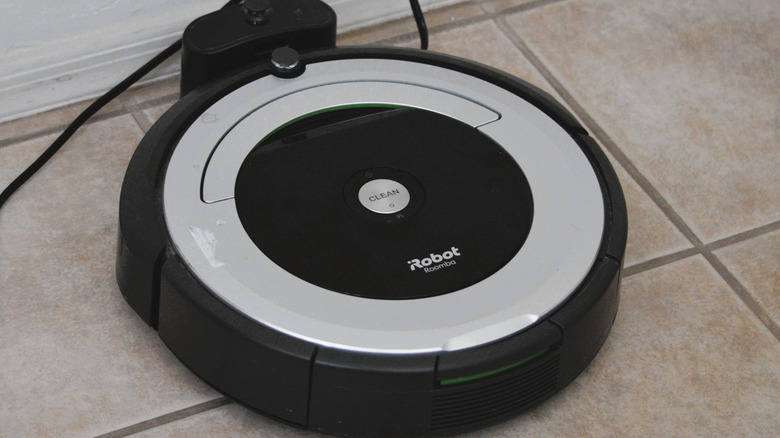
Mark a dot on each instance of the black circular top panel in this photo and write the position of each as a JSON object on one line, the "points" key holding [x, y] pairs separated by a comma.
{"points": [[387, 203]]}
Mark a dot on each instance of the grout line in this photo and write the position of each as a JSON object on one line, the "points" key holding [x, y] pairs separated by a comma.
{"points": [[743, 293], [138, 116], [366, 32], [710, 248], [481, 4], [130, 108], [153, 102], [413, 35], [698, 246], [144, 121], [603, 137], [57, 129], [141, 120], [486, 16], [126, 109], [167, 418], [525, 6], [659, 261], [743, 236]]}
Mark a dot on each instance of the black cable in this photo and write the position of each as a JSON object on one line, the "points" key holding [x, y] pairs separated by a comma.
{"points": [[87, 113], [124, 85], [83, 117], [421, 27]]}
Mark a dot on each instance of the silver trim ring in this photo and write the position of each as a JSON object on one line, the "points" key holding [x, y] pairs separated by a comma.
{"points": [[243, 137], [557, 255]]}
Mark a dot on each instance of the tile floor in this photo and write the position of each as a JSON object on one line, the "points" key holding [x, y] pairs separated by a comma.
{"points": [[684, 96]]}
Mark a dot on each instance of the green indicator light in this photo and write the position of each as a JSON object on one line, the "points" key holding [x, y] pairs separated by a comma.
{"points": [[328, 110], [493, 372]]}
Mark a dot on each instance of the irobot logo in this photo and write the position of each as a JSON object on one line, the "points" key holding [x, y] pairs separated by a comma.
{"points": [[444, 260]]}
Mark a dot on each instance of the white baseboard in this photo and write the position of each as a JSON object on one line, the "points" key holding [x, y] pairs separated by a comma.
{"points": [[79, 49]]}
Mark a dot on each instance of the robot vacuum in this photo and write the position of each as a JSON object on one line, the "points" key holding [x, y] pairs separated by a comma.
{"points": [[374, 241]]}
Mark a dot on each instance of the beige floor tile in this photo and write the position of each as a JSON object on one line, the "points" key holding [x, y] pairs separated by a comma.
{"points": [[485, 43], [74, 358], [147, 117], [756, 264], [155, 112], [685, 358], [689, 90], [438, 17], [165, 89], [157, 84], [501, 5], [14, 159], [231, 421], [48, 120], [650, 233]]}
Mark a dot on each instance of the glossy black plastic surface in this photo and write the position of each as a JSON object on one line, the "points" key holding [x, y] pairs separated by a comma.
{"points": [[233, 37]]}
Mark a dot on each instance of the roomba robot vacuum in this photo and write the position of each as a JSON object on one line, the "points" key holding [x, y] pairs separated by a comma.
{"points": [[368, 241]]}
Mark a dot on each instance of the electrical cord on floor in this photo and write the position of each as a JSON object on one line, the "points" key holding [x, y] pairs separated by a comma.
{"points": [[419, 18], [87, 114], [124, 85], [83, 117]]}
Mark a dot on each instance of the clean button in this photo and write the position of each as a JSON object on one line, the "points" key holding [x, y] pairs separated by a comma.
{"points": [[384, 196]]}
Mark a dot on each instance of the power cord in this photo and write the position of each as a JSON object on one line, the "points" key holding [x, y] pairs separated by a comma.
{"points": [[124, 85], [87, 114], [82, 118], [419, 18]]}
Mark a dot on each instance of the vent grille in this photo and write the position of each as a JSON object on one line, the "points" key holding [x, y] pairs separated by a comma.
{"points": [[477, 402]]}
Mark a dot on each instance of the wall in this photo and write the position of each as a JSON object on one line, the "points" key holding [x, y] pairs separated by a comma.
{"points": [[55, 52]]}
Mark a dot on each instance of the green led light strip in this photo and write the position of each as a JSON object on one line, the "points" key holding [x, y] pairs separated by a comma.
{"points": [[493, 372], [329, 110]]}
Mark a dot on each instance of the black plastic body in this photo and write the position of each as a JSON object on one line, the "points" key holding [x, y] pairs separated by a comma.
{"points": [[223, 41], [350, 393]]}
